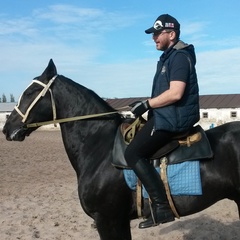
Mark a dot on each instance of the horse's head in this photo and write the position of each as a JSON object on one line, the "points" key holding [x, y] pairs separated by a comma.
{"points": [[34, 105]]}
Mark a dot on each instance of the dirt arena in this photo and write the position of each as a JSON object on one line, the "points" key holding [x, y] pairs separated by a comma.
{"points": [[38, 199]]}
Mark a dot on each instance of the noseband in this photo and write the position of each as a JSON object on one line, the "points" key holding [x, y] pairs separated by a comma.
{"points": [[46, 87]]}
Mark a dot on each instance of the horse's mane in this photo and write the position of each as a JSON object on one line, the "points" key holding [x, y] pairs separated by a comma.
{"points": [[86, 91]]}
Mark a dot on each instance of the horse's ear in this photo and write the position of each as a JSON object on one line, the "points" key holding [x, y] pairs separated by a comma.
{"points": [[49, 72]]}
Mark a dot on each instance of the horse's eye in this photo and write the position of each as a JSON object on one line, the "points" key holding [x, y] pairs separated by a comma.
{"points": [[28, 93]]}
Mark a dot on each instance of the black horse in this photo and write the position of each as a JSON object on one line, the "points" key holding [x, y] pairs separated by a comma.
{"points": [[103, 193]]}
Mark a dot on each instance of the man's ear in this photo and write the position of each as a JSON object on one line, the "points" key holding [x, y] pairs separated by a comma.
{"points": [[172, 35]]}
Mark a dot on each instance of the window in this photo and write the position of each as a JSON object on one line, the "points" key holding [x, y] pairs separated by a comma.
{"points": [[233, 114], [205, 114]]}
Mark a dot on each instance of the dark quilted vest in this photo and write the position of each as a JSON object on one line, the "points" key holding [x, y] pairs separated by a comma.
{"points": [[183, 114]]}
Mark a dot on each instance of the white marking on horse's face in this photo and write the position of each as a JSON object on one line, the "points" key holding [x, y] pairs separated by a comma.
{"points": [[14, 135]]}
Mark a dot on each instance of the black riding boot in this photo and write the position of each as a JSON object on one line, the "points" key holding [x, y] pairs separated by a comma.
{"points": [[161, 211]]}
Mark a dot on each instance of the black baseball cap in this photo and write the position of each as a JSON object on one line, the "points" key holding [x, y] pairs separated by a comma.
{"points": [[164, 21]]}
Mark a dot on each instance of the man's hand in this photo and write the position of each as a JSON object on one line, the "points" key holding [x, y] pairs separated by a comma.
{"points": [[139, 107]]}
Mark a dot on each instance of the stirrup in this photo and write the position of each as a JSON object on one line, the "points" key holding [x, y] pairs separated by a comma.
{"points": [[154, 219]]}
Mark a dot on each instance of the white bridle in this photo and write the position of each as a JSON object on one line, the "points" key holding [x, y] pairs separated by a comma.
{"points": [[46, 87]]}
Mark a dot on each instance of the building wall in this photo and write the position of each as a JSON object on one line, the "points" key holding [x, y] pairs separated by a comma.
{"points": [[215, 117], [3, 118], [218, 117]]}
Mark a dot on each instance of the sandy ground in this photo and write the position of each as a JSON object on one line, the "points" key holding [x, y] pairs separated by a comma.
{"points": [[38, 199]]}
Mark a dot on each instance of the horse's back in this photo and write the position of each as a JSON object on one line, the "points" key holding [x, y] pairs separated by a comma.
{"points": [[225, 134], [224, 141]]}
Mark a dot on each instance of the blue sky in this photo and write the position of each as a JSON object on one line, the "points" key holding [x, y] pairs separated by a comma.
{"points": [[102, 45]]}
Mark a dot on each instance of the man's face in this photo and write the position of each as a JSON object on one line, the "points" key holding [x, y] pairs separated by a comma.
{"points": [[163, 39]]}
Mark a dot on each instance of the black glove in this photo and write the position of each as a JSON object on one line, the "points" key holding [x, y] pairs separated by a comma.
{"points": [[139, 107]]}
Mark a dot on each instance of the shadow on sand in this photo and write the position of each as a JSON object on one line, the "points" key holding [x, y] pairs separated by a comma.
{"points": [[203, 227]]}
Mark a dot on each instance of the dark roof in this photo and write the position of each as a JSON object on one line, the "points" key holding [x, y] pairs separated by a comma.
{"points": [[118, 103], [206, 101], [220, 101]]}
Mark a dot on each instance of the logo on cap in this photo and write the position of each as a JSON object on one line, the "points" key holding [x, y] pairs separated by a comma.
{"points": [[158, 25], [169, 25]]}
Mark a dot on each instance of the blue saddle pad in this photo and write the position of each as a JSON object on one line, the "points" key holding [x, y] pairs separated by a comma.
{"points": [[183, 179]]}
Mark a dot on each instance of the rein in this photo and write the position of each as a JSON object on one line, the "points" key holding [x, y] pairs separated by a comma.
{"points": [[70, 119], [46, 87]]}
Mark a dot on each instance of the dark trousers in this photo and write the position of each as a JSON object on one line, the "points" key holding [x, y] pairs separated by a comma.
{"points": [[146, 143]]}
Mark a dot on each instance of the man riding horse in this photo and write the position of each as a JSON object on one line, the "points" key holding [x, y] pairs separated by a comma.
{"points": [[173, 110]]}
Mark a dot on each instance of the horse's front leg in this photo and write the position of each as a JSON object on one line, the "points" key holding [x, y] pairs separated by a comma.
{"points": [[117, 227]]}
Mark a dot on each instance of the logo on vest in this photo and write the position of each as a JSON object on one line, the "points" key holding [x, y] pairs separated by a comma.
{"points": [[163, 70]]}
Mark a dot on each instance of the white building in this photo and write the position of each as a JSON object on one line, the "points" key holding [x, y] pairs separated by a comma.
{"points": [[5, 111], [219, 109]]}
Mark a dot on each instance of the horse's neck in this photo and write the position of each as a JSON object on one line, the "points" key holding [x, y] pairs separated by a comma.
{"points": [[83, 137], [88, 143], [75, 100]]}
